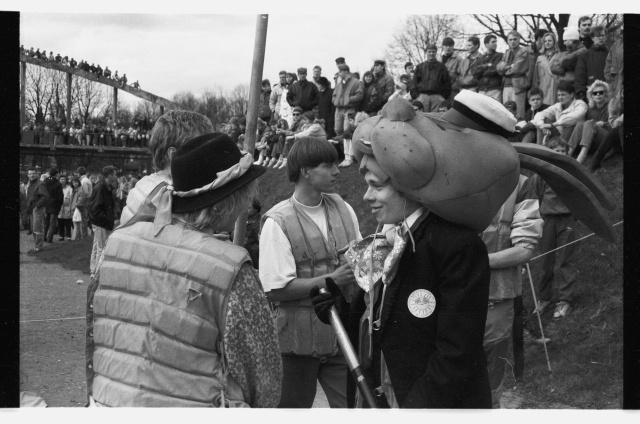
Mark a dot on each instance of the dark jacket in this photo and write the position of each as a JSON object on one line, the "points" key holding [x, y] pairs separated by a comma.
{"points": [[327, 111], [528, 116], [516, 68], [56, 197], [431, 78], [437, 361], [371, 101], [386, 87], [590, 67], [101, 206], [265, 110], [487, 73], [37, 195], [303, 94]]}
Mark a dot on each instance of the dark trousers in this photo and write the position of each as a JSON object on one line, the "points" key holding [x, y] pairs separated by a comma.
{"points": [[64, 227], [518, 337], [50, 225], [614, 139], [301, 374], [557, 231]]}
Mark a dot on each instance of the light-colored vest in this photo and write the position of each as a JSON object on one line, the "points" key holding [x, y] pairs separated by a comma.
{"points": [[506, 283], [159, 313], [300, 331]]}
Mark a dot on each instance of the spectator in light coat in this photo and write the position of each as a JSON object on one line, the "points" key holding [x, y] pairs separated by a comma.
{"points": [[276, 95], [37, 196], [543, 78], [561, 118], [564, 63], [614, 66], [515, 66], [347, 96]]}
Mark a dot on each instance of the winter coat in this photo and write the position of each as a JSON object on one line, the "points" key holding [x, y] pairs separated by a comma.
{"points": [[274, 99], [573, 114], [451, 63], [431, 78], [37, 195], [487, 73], [614, 66], [101, 206], [544, 79], [265, 110], [327, 111], [466, 69], [386, 87], [590, 67], [371, 102], [515, 68], [348, 94], [564, 63], [303, 94], [66, 212], [56, 197]]}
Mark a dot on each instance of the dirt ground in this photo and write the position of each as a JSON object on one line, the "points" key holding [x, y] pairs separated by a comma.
{"points": [[53, 288]]}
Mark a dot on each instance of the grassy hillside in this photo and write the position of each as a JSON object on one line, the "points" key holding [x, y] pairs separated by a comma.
{"points": [[586, 348]]}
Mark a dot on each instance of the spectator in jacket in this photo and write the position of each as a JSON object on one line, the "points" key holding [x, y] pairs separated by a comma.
{"points": [[431, 83], [64, 217], [78, 200], [584, 27], [468, 65], [409, 69], [87, 188], [543, 78], [326, 109], [101, 213], [214, 339], [371, 100], [489, 80], [590, 66], [561, 118], [527, 129], [450, 59], [37, 196], [54, 204], [615, 137], [514, 67], [276, 95], [588, 135], [167, 135], [614, 66], [346, 98], [317, 73], [564, 63], [265, 96], [303, 93], [384, 83]]}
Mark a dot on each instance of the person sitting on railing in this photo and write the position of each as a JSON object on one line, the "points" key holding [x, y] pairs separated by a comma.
{"points": [[136, 85], [65, 60], [116, 77], [58, 58], [51, 57], [107, 72], [92, 68], [99, 70], [73, 63], [37, 54], [123, 80]]}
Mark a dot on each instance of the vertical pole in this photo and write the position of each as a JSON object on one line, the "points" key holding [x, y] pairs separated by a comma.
{"points": [[115, 105], [23, 94], [69, 81], [254, 109]]}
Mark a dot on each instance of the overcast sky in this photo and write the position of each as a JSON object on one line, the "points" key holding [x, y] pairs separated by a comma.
{"points": [[170, 52]]}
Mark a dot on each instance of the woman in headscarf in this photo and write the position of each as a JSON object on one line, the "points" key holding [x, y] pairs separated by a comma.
{"points": [[543, 78]]}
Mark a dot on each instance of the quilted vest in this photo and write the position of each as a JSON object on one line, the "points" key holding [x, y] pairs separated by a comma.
{"points": [[159, 313], [300, 332], [505, 283]]}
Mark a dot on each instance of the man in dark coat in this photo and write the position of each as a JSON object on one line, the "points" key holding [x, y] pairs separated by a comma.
{"points": [[303, 93], [590, 66], [431, 83], [37, 196], [326, 109], [56, 198], [101, 213]]}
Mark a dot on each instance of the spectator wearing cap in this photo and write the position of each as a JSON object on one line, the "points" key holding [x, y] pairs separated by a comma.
{"points": [[590, 66], [564, 63], [303, 93], [383, 81], [326, 109], [543, 78], [265, 96], [431, 82], [468, 64], [514, 66], [276, 95], [450, 59], [489, 80], [584, 27], [346, 98], [107, 72], [340, 61]]}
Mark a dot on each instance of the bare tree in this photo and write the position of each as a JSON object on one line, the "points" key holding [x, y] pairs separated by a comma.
{"points": [[215, 106], [239, 100], [39, 92], [90, 97], [186, 100], [409, 43]]}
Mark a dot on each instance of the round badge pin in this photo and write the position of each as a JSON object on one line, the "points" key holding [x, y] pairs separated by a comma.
{"points": [[421, 303]]}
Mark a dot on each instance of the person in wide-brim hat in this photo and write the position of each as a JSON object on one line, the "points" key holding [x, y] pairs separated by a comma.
{"points": [[165, 277]]}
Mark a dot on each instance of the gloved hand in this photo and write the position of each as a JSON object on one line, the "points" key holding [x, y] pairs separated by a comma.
{"points": [[322, 302]]}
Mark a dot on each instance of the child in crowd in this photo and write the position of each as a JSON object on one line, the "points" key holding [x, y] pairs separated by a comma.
{"points": [[558, 230]]}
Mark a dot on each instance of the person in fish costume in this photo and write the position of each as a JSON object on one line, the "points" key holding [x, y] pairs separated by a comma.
{"points": [[435, 182]]}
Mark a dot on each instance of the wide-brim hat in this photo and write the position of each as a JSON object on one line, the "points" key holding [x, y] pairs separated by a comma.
{"points": [[207, 169]]}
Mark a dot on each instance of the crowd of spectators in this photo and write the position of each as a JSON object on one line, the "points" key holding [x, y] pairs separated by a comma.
{"points": [[83, 65], [109, 134], [546, 85]]}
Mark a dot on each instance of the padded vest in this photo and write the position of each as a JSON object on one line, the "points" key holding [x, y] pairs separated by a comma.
{"points": [[300, 332], [506, 283], [159, 313]]}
